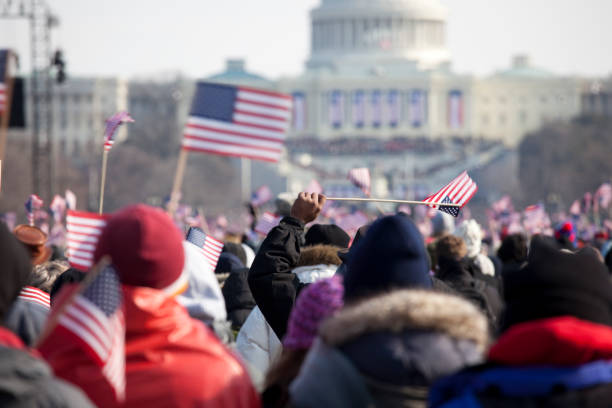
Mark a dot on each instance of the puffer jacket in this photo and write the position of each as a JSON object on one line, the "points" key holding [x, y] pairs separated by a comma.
{"points": [[386, 351], [172, 360], [28, 316], [257, 343]]}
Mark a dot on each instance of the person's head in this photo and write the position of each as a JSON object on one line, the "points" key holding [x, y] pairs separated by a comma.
{"points": [[228, 263], [513, 249], [16, 269], [391, 255], [471, 233], [44, 275], [283, 204], [146, 249], [327, 234], [451, 247], [34, 240], [235, 249], [565, 234], [556, 283]]}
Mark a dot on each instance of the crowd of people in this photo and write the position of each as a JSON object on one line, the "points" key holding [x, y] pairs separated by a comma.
{"points": [[398, 313]]}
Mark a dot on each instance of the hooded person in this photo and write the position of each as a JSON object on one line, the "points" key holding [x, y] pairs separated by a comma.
{"points": [[25, 380], [238, 297], [203, 298], [165, 349], [555, 348], [282, 267]]}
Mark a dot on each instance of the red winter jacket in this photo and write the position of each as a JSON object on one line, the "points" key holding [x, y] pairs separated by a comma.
{"points": [[171, 360]]}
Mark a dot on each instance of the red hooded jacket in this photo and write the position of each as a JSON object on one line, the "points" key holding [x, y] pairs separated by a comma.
{"points": [[172, 360]]}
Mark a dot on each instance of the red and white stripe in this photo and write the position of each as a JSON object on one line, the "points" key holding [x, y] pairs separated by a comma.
{"points": [[459, 191], [84, 230], [212, 250], [360, 177], [257, 131], [103, 336], [266, 223], [32, 294]]}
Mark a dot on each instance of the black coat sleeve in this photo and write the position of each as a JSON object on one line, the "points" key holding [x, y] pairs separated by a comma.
{"points": [[272, 283]]}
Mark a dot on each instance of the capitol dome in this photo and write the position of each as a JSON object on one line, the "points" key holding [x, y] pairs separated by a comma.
{"points": [[368, 34]]}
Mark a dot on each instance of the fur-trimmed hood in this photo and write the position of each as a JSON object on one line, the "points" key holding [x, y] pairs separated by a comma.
{"points": [[319, 255], [408, 309]]}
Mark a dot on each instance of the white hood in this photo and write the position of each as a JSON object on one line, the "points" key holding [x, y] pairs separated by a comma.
{"points": [[203, 298]]}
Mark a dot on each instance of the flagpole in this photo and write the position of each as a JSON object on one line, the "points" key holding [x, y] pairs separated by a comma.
{"points": [[57, 313], [6, 115], [178, 182], [103, 180], [382, 200]]}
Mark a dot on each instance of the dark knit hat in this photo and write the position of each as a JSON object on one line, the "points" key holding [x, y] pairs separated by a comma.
{"points": [[16, 269], [391, 255], [228, 262], [237, 250], [327, 234], [558, 283], [146, 248]]}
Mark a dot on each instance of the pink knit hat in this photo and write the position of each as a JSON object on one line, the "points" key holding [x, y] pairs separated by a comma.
{"points": [[316, 302]]}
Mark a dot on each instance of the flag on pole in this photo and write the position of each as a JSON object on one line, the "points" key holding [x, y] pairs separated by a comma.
{"points": [[237, 121], [33, 204], [84, 230], [575, 208], [261, 196], [603, 195], [71, 200], [266, 223], [459, 191], [336, 108], [211, 248], [299, 111], [360, 177], [4, 54], [58, 207], [455, 109], [112, 124], [35, 295], [359, 108], [94, 320]]}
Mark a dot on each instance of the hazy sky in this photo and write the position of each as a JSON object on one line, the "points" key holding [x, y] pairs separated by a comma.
{"points": [[142, 37]]}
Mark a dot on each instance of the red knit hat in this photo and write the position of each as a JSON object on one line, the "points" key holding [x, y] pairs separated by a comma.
{"points": [[146, 248]]}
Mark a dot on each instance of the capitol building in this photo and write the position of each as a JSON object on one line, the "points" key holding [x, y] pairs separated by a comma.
{"points": [[382, 68]]}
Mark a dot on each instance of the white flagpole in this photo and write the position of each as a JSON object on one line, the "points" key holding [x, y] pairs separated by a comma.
{"points": [[382, 200]]}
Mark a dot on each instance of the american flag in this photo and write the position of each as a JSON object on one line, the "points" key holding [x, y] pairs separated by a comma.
{"points": [[266, 223], [71, 200], [210, 246], [418, 108], [261, 196], [33, 204], [459, 191], [603, 195], [35, 295], [84, 230], [455, 109], [94, 319], [299, 111], [376, 108], [237, 121], [394, 107], [360, 177], [58, 207], [359, 108], [3, 69], [112, 124]]}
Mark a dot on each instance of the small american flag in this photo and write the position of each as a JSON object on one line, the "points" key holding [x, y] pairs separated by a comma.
{"points": [[459, 191], [71, 200], [112, 124], [210, 246], [266, 223], [3, 68], [84, 230], [237, 121], [33, 204], [94, 319], [261, 196], [58, 207], [35, 295], [360, 177]]}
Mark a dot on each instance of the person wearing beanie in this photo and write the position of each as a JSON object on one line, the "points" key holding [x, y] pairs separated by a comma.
{"points": [[555, 347], [27, 381], [320, 234], [513, 252], [171, 358], [391, 255], [316, 303], [386, 350]]}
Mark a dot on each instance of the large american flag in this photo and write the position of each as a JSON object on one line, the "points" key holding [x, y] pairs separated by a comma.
{"points": [[266, 222], [211, 248], [84, 230], [3, 68], [94, 319], [459, 191], [112, 124], [237, 121], [360, 177]]}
